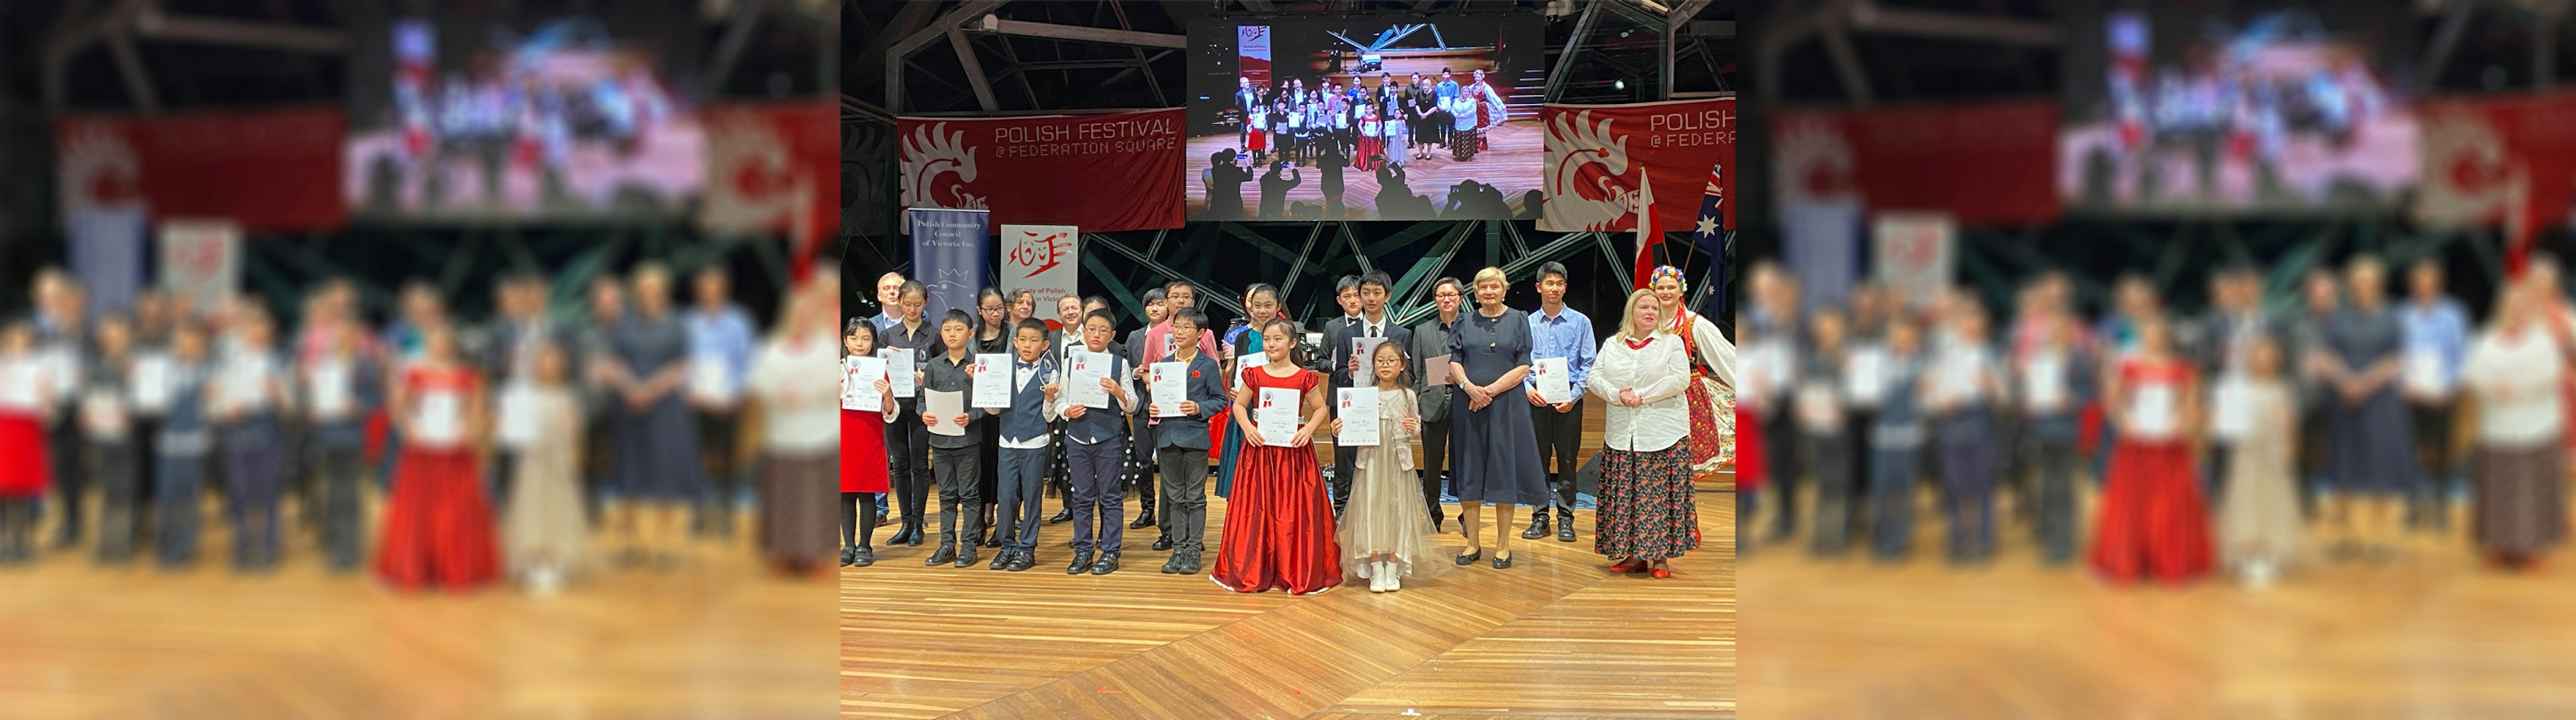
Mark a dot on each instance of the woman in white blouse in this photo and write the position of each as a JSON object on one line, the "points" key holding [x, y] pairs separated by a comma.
{"points": [[2515, 368], [801, 443], [1647, 516]]}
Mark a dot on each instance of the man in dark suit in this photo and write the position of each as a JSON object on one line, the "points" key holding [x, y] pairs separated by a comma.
{"points": [[1351, 369], [1142, 445], [508, 356], [1431, 340]]}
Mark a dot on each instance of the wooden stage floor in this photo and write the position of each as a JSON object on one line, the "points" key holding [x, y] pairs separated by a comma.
{"points": [[1552, 637], [715, 638], [2430, 635]]}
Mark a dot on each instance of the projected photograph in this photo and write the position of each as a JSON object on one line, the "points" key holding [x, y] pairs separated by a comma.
{"points": [[2267, 111], [559, 117], [1370, 117]]}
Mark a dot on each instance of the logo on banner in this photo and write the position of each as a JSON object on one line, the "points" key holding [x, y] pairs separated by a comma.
{"points": [[1038, 252], [757, 183], [2467, 177], [931, 156], [100, 169], [1591, 185], [1815, 162]]}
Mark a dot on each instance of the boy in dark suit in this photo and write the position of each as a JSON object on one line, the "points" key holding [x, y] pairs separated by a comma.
{"points": [[1349, 364], [1181, 444]]}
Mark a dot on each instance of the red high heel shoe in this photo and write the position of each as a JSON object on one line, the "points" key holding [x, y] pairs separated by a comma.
{"points": [[1661, 572], [1628, 566]]}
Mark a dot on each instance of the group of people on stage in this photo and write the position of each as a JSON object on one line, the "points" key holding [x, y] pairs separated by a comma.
{"points": [[1380, 128], [2243, 441], [499, 447], [1092, 416]]}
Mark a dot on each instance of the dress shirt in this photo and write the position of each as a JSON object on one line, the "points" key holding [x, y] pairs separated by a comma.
{"points": [[2441, 328], [804, 417], [1658, 372], [1568, 334], [1023, 373], [725, 335]]}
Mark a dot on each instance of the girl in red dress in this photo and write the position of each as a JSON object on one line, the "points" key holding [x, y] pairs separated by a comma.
{"points": [[1278, 522], [863, 450], [24, 473], [2153, 521], [438, 525]]}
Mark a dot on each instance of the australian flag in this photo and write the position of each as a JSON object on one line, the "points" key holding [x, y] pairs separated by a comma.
{"points": [[1709, 233]]}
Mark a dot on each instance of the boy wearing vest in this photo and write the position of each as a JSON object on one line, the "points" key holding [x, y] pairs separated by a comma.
{"points": [[1021, 461], [1096, 451]]}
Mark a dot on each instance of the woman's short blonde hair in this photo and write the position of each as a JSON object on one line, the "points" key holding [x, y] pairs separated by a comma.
{"points": [[1495, 274], [1628, 316]]}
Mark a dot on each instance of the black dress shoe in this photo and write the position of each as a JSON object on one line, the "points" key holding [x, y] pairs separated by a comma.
{"points": [[940, 556], [1173, 565], [863, 558], [1537, 529], [1190, 564], [1163, 543], [992, 540], [849, 555], [1501, 562], [1108, 564], [1002, 559], [966, 557], [1467, 559], [1022, 561], [1081, 563], [1565, 529], [1061, 516]]}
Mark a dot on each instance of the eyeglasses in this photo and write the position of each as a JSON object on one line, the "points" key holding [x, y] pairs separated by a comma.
{"points": [[1382, 362]]}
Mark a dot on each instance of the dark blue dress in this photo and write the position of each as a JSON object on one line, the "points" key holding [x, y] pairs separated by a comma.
{"points": [[657, 447], [1494, 450]]}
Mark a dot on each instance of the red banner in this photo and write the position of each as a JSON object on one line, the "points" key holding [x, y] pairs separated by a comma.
{"points": [[269, 170], [774, 168], [1979, 163], [1600, 158], [2507, 161], [1118, 171]]}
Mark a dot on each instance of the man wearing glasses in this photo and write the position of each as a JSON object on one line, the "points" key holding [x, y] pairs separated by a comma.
{"points": [[1430, 341]]}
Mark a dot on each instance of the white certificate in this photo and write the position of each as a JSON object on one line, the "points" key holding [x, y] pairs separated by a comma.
{"points": [[439, 421], [1359, 417], [946, 406], [245, 382], [1247, 361], [993, 381], [1361, 350], [711, 380], [1957, 379], [2044, 383], [1169, 384], [1553, 380], [1435, 371], [2424, 373], [899, 366], [1084, 370], [859, 376], [1276, 416], [518, 416], [152, 382], [328, 387], [103, 414], [19, 388], [1818, 409], [2153, 412], [63, 367], [2231, 406], [1865, 376]]}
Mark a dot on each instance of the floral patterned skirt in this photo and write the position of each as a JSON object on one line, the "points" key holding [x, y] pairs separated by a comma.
{"points": [[1647, 511]]}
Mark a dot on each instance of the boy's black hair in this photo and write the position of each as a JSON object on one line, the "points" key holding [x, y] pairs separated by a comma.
{"points": [[1348, 283], [959, 316], [1378, 278], [1197, 318], [1027, 324], [1555, 268]]}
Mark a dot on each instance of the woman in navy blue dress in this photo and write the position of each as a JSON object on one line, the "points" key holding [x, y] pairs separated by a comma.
{"points": [[1497, 464]]}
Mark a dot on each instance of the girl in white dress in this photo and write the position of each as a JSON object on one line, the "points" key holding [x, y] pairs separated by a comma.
{"points": [[1385, 528]]}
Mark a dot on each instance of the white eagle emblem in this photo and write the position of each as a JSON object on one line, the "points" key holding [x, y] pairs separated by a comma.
{"points": [[1815, 162], [1591, 187], [929, 153], [99, 169], [755, 183], [2467, 176]]}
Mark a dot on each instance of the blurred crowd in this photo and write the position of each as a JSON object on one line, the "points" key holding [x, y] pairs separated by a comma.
{"points": [[2240, 440]]}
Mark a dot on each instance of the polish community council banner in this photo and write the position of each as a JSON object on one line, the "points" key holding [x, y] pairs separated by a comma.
{"points": [[1118, 171], [1600, 159], [950, 249]]}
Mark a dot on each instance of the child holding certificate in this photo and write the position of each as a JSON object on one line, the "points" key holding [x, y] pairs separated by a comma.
{"points": [[107, 429], [180, 448], [438, 524], [1181, 444], [2057, 380], [1279, 524], [2153, 521], [1966, 386], [250, 406], [863, 444], [1896, 438], [342, 390], [1384, 526], [546, 531], [1095, 452], [2258, 522], [1817, 399], [24, 403], [946, 380], [1022, 440]]}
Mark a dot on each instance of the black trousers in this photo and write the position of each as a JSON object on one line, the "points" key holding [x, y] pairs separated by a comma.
{"points": [[343, 519], [1435, 463], [2432, 423], [859, 519], [719, 438], [1837, 490], [908, 463], [1559, 434], [118, 471], [71, 481], [1781, 434], [2057, 522], [1345, 464], [958, 495]]}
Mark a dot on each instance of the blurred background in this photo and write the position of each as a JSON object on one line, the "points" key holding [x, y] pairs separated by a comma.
{"points": [[251, 252], [2174, 360]]}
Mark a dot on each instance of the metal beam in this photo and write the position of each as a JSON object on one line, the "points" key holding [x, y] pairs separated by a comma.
{"points": [[152, 23], [999, 26], [974, 70], [1208, 292], [1868, 15], [1720, 29], [120, 44], [737, 33], [1847, 65], [1573, 46], [2544, 45], [1789, 25], [902, 50], [2446, 38]]}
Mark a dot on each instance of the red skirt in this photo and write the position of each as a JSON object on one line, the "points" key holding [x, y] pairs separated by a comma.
{"points": [[1749, 468], [438, 527], [1256, 140], [2153, 521], [1278, 525], [863, 452], [23, 470]]}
